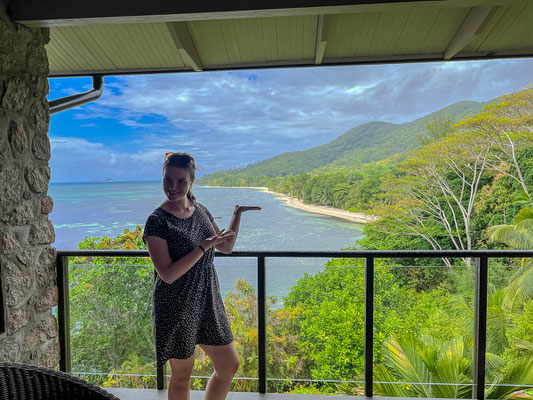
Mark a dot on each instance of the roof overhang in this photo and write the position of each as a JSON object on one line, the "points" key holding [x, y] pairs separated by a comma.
{"points": [[111, 37]]}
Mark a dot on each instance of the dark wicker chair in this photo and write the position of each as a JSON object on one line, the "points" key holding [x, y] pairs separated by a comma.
{"points": [[28, 382]]}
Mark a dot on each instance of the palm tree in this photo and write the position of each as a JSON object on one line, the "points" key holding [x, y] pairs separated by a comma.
{"points": [[425, 364], [518, 236], [430, 368]]}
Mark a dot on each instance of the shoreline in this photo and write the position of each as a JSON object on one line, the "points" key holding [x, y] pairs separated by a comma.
{"points": [[357, 217]]}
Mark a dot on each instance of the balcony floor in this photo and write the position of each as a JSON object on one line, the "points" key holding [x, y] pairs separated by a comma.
{"points": [[153, 394]]}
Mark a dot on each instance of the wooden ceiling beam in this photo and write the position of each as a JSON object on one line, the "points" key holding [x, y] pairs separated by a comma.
{"points": [[321, 42], [470, 27], [50, 13], [185, 45]]}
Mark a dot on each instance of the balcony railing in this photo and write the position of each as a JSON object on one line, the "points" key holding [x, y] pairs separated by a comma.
{"points": [[480, 294]]}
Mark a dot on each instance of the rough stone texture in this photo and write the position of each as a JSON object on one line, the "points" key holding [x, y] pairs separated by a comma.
{"points": [[42, 332], [47, 205], [35, 55], [41, 147], [27, 261], [9, 243], [26, 257], [4, 150], [9, 350], [16, 94], [39, 116], [8, 62], [42, 233], [10, 185], [38, 178], [46, 267], [43, 85], [17, 137], [17, 284], [47, 300], [17, 319], [50, 356], [21, 215]]}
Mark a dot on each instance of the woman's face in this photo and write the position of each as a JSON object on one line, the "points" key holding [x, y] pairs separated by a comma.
{"points": [[176, 183]]}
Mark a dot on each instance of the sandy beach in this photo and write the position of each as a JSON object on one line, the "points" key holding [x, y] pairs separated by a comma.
{"points": [[358, 217]]}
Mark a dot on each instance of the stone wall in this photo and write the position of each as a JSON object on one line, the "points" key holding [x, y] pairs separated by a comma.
{"points": [[27, 261]]}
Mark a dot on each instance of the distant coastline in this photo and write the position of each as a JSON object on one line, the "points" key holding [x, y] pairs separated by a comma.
{"points": [[357, 217]]}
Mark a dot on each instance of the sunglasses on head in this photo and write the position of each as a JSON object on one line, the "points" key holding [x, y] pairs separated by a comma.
{"points": [[170, 154]]}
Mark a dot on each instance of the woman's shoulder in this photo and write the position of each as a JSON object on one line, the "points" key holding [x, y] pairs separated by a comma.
{"points": [[202, 207], [156, 215], [155, 225], [205, 211]]}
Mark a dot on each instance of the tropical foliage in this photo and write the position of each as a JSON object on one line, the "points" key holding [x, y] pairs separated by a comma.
{"points": [[462, 185]]}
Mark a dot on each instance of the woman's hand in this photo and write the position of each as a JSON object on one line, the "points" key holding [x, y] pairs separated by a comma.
{"points": [[241, 209], [219, 238]]}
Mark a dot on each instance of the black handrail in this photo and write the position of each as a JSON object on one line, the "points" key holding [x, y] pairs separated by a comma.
{"points": [[324, 254], [480, 314]]}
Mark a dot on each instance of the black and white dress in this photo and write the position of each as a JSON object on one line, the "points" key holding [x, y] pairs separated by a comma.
{"points": [[190, 310]]}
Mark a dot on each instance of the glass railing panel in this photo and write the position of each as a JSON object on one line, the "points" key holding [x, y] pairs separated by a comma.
{"points": [[111, 337], [509, 371], [424, 328], [315, 324], [237, 279]]}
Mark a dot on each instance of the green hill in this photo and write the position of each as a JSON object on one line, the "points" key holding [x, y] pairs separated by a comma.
{"points": [[365, 143], [403, 137]]}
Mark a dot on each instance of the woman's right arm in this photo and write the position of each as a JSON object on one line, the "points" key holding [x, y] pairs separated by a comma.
{"points": [[170, 271]]}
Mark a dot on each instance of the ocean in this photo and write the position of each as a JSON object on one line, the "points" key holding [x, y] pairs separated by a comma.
{"points": [[107, 208]]}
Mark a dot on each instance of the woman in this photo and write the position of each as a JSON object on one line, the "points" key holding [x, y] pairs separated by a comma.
{"points": [[187, 307]]}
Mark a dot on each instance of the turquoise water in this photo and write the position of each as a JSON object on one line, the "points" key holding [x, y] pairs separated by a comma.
{"points": [[106, 209]]}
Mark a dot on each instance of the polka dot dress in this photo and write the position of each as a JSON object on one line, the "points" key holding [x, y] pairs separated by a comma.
{"points": [[190, 310]]}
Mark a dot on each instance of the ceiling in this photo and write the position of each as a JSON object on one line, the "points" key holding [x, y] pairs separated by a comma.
{"points": [[138, 37]]}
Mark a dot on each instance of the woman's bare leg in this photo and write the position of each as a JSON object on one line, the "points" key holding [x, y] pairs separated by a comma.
{"points": [[178, 386], [226, 363]]}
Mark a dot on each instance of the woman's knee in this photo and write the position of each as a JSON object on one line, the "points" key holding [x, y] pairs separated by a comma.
{"points": [[234, 365], [179, 382], [181, 372], [230, 367]]}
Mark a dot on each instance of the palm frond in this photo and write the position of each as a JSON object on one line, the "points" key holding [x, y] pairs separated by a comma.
{"points": [[511, 235], [384, 384], [519, 373], [407, 363], [520, 289], [524, 214], [452, 367], [523, 344], [493, 363]]}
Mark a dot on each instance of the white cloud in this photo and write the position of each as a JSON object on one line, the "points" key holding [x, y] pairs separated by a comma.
{"points": [[79, 159], [228, 119]]}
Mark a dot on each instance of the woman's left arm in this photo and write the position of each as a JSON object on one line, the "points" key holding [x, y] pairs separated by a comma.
{"points": [[227, 246]]}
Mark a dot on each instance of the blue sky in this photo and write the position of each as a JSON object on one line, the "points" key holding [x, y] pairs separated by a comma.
{"points": [[230, 119]]}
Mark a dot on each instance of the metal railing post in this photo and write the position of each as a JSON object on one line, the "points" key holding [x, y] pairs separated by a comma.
{"points": [[261, 311], [480, 327], [63, 314], [369, 326], [161, 381]]}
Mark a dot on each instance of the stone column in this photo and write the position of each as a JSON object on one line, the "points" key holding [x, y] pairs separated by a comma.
{"points": [[27, 261]]}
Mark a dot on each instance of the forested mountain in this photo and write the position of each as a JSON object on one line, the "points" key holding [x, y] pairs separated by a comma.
{"points": [[365, 143], [468, 186]]}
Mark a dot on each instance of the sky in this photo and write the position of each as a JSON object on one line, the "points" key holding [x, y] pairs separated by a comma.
{"points": [[231, 119]]}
